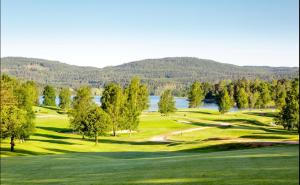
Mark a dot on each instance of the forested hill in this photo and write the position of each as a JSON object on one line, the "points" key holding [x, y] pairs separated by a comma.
{"points": [[165, 72]]}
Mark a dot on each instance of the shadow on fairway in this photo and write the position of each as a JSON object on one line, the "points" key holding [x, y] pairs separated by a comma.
{"points": [[21, 152], [52, 136], [262, 114], [54, 141], [228, 147], [263, 137], [55, 129]]}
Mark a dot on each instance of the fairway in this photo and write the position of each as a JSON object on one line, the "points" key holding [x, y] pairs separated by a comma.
{"points": [[199, 146]]}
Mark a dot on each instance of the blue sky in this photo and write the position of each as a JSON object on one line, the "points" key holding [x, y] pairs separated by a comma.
{"points": [[101, 33]]}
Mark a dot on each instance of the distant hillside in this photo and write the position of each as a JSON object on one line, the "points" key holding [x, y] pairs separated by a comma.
{"points": [[173, 72]]}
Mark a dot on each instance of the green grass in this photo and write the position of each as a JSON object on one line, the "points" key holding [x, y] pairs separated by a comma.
{"points": [[268, 165], [208, 156]]}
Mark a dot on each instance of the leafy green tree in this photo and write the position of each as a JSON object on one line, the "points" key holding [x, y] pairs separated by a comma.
{"points": [[253, 98], [265, 94], [280, 95], [65, 98], [13, 122], [23, 97], [49, 96], [288, 117], [195, 95], [7, 90], [98, 122], [166, 103], [112, 102], [136, 101], [81, 104], [242, 99], [224, 101]]}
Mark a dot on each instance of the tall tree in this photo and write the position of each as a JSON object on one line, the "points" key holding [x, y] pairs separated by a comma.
{"points": [[166, 103], [265, 94], [280, 95], [195, 95], [49, 96], [288, 117], [136, 101], [65, 98], [224, 101], [13, 121], [98, 122], [242, 98], [16, 109], [253, 98], [112, 102], [81, 104]]}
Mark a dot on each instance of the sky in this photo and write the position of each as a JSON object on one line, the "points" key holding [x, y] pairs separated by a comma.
{"points": [[111, 32]]}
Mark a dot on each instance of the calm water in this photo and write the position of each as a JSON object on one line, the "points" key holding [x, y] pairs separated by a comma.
{"points": [[153, 100]]}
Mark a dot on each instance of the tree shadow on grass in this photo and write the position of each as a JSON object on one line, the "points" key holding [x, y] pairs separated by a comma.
{"points": [[262, 114], [21, 151], [131, 142], [263, 137], [51, 107], [54, 141], [52, 136], [55, 129], [228, 147]]}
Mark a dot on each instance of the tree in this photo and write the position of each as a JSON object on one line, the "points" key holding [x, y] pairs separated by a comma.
{"points": [[98, 122], [265, 94], [81, 104], [136, 101], [280, 95], [253, 98], [195, 95], [13, 123], [166, 103], [49, 96], [112, 102], [19, 97], [242, 99], [288, 117], [224, 102], [65, 98]]}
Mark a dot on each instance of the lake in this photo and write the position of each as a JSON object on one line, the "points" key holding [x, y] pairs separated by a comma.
{"points": [[153, 100]]}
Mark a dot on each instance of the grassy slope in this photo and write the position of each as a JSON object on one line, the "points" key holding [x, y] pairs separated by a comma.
{"points": [[135, 160]]}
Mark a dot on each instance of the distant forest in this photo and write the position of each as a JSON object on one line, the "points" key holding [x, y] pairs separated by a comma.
{"points": [[176, 73]]}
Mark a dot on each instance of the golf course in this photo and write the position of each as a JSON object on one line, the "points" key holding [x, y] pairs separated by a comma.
{"points": [[189, 146]]}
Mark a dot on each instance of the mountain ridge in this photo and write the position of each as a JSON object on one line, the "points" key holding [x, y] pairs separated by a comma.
{"points": [[168, 72]]}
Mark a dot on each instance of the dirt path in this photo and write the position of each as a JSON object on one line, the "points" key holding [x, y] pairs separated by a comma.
{"points": [[164, 137]]}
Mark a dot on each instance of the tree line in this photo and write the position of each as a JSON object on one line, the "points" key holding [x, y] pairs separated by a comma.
{"points": [[252, 94], [121, 106]]}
